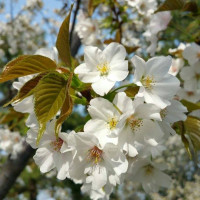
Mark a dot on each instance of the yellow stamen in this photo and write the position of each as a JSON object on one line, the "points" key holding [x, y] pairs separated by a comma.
{"points": [[57, 144], [103, 68], [134, 122], [112, 123], [95, 154], [148, 169], [148, 82]]}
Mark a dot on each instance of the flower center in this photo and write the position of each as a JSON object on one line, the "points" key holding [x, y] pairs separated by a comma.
{"points": [[112, 123], [163, 113], [134, 123], [95, 155], [190, 93], [57, 144], [198, 55], [103, 68], [148, 82], [148, 169]]}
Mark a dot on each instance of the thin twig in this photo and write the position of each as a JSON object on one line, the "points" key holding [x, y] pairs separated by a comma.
{"points": [[74, 20]]}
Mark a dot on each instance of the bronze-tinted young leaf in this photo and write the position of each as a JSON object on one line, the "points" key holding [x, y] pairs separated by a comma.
{"points": [[171, 5], [192, 126], [190, 6], [27, 89], [26, 65], [49, 98], [131, 49], [11, 116], [66, 107], [62, 42], [189, 105], [132, 91]]}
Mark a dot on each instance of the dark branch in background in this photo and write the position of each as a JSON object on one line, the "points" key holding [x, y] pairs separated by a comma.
{"points": [[117, 19], [75, 44], [74, 20], [13, 167]]}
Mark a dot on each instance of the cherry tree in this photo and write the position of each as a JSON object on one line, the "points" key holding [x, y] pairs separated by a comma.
{"points": [[137, 89]]}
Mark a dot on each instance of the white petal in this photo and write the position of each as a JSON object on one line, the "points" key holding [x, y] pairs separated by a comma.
{"points": [[187, 73], [102, 86], [87, 75], [51, 53], [118, 71], [155, 99], [123, 102], [44, 159], [140, 66], [62, 162], [91, 55], [101, 109], [114, 52], [158, 66], [24, 106], [166, 87], [99, 178], [148, 111]]}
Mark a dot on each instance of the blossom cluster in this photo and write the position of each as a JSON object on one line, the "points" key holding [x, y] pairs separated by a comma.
{"points": [[143, 19], [124, 135], [10, 142], [189, 73]]}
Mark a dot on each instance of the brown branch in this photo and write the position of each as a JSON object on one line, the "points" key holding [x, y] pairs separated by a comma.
{"points": [[12, 169]]}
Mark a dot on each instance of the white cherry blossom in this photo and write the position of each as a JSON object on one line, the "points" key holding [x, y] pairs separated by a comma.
{"points": [[136, 122], [104, 120], [156, 85], [149, 174], [103, 68], [192, 53], [192, 96], [8, 140], [172, 113], [48, 154], [95, 165], [191, 77], [144, 7], [87, 29]]}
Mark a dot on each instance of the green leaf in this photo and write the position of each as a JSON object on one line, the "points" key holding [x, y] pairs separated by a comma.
{"points": [[67, 107], [82, 101], [26, 65], [26, 90], [62, 42], [190, 106], [171, 5], [192, 126], [49, 98]]}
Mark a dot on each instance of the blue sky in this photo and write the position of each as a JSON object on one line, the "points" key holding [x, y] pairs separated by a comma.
{"points": [[49, 6]]}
